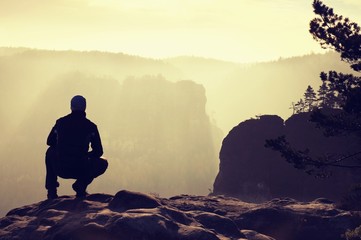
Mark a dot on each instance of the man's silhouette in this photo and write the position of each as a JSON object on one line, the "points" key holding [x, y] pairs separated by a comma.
{"points": [[68, 155]]}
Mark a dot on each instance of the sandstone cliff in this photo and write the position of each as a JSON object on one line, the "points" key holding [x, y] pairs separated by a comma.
{"points": [[252, 172]]}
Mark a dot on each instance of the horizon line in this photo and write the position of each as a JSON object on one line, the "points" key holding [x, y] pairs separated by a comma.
{"points": [[169, 57]]}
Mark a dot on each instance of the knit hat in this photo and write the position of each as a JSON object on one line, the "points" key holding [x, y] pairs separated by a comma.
{"points": [[78, 103]]}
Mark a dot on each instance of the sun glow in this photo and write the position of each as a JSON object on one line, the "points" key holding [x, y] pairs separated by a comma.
{"points": [[234, 30]]}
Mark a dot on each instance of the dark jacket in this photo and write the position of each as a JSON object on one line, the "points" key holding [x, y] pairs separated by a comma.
{"points": [[72, 135]]}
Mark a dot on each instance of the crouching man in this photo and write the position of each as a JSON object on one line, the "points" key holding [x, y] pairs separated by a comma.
{"points": [[68, 154]]}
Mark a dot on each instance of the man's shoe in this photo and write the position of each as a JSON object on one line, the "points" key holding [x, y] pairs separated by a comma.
{"points": [[52, 194], [80, 192]]}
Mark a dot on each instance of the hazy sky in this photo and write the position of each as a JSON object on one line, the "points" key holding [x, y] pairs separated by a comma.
{"points": [[236, 30]]}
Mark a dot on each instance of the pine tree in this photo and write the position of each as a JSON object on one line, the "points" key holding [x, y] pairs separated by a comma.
{"points": [[338, 90], [322, 96], [310, 99], [335, 32], [300, 106], [293, 107]]}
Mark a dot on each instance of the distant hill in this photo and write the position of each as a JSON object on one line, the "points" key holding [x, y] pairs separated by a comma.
{"points": [[25, 73], [234, 91], [267, 88]]}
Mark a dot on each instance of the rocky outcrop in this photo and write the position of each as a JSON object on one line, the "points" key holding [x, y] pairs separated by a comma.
{"points": [[132, 215], [252, 172]]}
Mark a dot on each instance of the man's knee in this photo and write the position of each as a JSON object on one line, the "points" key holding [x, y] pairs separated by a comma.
{"points": [[100, 165], [50, 154], [104, 163]]}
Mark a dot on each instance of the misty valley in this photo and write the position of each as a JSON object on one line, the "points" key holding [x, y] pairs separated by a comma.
{"points": [[185, 125], [161, 121]]}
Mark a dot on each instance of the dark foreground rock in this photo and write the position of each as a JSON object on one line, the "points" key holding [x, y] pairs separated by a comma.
{"points": [[130, 215]]}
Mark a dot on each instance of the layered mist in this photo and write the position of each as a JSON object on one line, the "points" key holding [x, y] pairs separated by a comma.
{"points": [[161, 121]]}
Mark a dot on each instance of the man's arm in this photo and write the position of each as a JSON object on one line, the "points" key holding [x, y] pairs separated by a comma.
{"points": [[96, 144], [52, 138]]}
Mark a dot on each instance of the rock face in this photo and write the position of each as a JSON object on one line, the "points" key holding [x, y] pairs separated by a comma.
{"points": [[251, 172], [131, 215]]}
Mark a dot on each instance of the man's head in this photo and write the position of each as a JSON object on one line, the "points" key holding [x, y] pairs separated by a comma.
{"points": [[78, 103]]}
